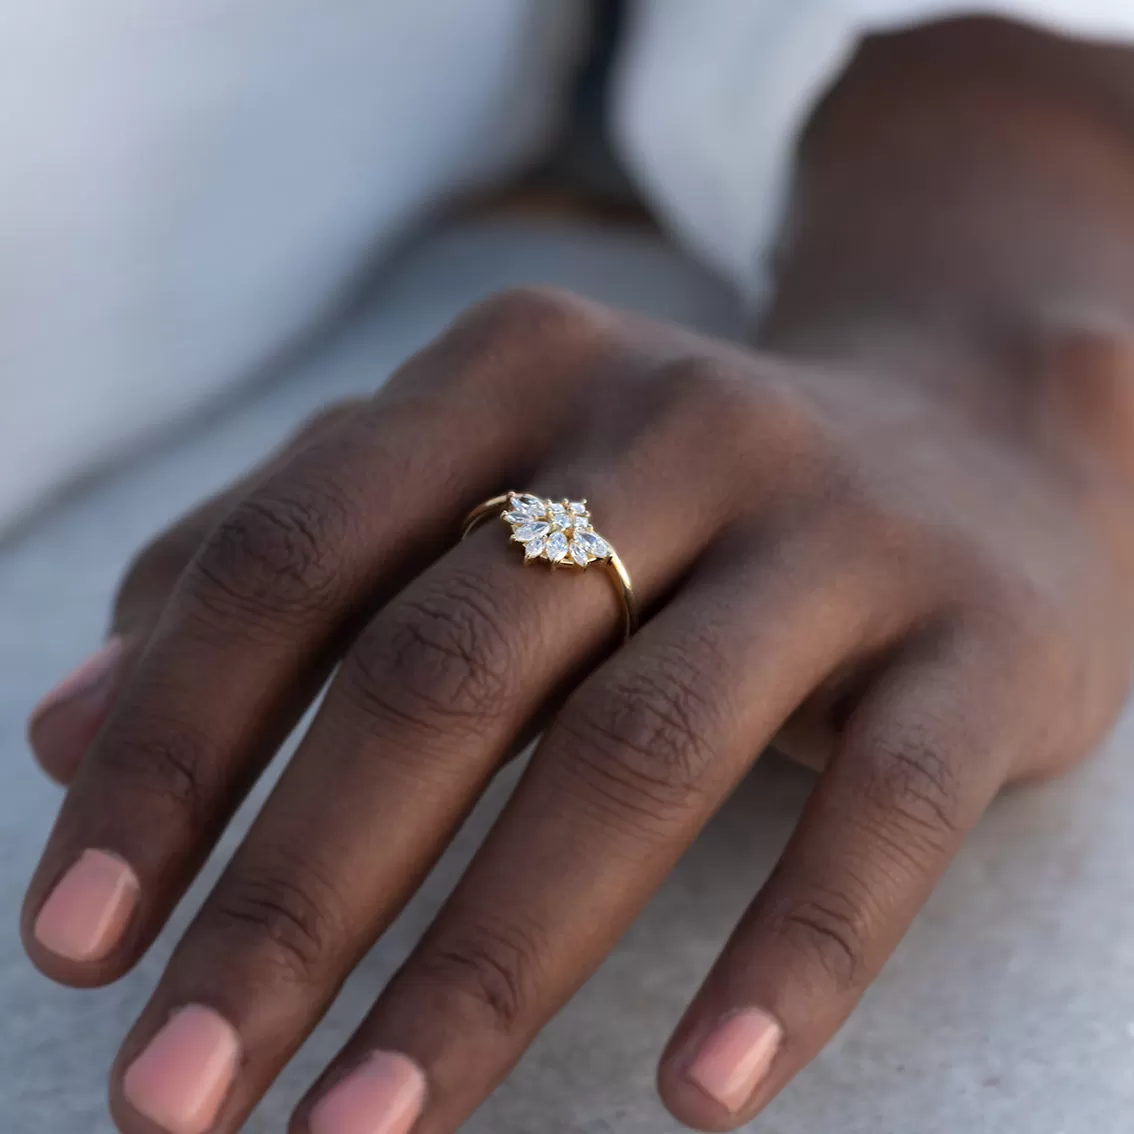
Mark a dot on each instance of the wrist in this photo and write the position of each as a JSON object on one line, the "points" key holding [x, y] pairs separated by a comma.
{"points": [[1058, 394], [960, 227], [1082, 372], [1061, 384]]}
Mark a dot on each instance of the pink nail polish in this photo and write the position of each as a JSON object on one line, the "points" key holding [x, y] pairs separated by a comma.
{"points": [[86, 914], [736, 1056], [64, 723], [182, 1077], [383, 1095]]}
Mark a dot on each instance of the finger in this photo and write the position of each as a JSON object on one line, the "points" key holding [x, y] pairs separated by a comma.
{"points": [[65, 722], [243, 644], [152, 575], [418, 718], [917, 764], [637, 760], [68, 717]]}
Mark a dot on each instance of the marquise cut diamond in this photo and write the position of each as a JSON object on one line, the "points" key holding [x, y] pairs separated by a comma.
{"points": [[528, 504], [594, 543], [530, 531], [556, 546]]}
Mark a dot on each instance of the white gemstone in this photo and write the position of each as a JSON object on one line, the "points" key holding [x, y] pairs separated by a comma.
{"points": [[579, 553], [534, 547], [595, 544], [528, 504], [531, 531], [517, 517], [560, 517], [556, 546], [578, 507]]}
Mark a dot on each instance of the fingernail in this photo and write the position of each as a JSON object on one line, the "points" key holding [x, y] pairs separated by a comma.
{"points": [[181, 1078], [734, 1059], [64, 723], [86, 914], [384, 1095]]}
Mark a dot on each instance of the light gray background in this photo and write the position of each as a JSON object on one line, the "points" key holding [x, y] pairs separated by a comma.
{"points": [[1009, 1008]]}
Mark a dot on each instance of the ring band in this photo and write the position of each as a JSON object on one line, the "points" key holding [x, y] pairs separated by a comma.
{"points": [[560, 533]]}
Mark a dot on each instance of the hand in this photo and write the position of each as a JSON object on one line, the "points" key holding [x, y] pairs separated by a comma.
{"points": [[944, 596]]}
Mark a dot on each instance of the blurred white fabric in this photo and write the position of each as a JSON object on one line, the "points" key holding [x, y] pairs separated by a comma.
{"points": [[712, 96], [188, 187]]}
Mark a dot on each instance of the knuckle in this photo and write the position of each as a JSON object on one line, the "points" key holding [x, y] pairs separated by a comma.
{"points": [[742, 411], [442, 661], [640, 746], [493, 967], [275, 555], [151, 574], [531, 310], [169, 764], [1030, 626], [326, 420], [827, 931], [913, 789], [788, 423], [514, 324], [704, 381], [482, 357], [287, 913], [707, 394]]}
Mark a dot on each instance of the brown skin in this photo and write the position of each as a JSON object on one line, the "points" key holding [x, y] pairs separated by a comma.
{"points": [[903, 524]]}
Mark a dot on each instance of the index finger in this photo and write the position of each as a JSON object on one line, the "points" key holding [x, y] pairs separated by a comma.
{"points": [[66, 721], [246, 639]]}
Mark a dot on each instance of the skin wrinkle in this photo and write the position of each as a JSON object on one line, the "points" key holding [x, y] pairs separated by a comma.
{"points": [[856, 501], [834, 943], [506, 961], [177, 775], [285, 923]]}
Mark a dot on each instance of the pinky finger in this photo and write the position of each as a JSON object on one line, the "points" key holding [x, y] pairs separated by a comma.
{"points": [[917, 763]]}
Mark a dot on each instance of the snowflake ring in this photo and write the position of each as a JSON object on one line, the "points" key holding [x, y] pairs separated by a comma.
{"points": [[559, 532]]}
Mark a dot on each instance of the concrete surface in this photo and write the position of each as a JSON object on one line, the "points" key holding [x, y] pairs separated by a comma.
{"points": [[1009, 1009]]}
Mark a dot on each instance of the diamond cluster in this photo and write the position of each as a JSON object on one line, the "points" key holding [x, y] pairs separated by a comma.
{"points": [[556, 530]]}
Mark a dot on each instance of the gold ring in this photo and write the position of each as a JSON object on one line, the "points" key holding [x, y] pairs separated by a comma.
{"points": [[560, 533]]}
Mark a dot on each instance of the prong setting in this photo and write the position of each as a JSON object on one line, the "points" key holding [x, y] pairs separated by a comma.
{"points": [[556, 531]]}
